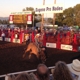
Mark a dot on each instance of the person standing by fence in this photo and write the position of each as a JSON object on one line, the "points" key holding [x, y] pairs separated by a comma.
{"points": [[3, 36]]}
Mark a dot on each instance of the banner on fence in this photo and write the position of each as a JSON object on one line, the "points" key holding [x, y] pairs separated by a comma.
{"points": [[79, 48], [8, 39], [66, 47], [29, 19], [51, 45], [0, 38], [16, 40]]}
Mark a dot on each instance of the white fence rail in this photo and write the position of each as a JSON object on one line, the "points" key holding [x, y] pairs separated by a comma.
{"points": [[28, 71], [22, 72]]}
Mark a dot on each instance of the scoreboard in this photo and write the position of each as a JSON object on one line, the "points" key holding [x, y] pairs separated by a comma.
{"points": [[21, 18]]}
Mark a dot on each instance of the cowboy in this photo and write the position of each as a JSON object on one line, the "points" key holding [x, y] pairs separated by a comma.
{"points": [[43, 42], [74, 67], [37, 36]]}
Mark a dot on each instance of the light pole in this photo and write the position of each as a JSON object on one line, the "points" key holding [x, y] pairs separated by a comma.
{"points": [[42, 17], [33, 18], [54, 15]]}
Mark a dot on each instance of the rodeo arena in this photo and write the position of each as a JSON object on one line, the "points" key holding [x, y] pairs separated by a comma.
{"points": [[45, 52]]}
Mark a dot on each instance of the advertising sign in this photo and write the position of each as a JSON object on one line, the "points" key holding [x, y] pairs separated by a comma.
{"points": [[11, 19], [55, 8], [79, 48], [51, 45], [21, 17], [66, 47], [29, 19]]}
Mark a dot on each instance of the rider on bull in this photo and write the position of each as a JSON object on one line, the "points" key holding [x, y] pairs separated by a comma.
{"points": [[43, 40], [40, 42]]}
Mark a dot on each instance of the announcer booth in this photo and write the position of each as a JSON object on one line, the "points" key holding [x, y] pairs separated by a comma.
{"points": [[22, 19]]}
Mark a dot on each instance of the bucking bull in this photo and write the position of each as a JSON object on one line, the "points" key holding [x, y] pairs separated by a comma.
{"points": [[32, 49]]}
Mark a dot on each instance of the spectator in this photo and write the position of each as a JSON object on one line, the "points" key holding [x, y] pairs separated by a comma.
{"points": [[23, 76], [9, 77], [55, 32], [42, 72], [61, 72], [39, 30], [75, 69], [3, 36], [33, 76]]}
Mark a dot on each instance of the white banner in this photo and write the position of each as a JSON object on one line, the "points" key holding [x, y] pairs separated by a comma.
{"points": [[16, 40], [66, 47], [55, 8], [10, 22], [0, 38], [8, 39], [79, 48], [51, 45]]}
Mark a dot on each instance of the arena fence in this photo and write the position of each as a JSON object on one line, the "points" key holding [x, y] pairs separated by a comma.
{"points": [[59, 41]]}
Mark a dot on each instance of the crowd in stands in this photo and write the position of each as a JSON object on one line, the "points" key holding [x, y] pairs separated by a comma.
{"points": [[50, 35], [60, 72], [58, 36], [68, 36]]}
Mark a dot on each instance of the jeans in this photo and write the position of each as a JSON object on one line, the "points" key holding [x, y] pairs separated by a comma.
{"points": [[3, 38]]}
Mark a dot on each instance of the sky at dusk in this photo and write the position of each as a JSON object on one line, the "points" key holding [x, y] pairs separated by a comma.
{"points": [[8, 6]]}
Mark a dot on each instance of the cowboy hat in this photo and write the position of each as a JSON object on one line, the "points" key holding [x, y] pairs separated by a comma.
{"points": [[74, 67]]}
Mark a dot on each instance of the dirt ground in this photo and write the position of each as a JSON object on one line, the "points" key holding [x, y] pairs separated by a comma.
{"points": [[11, 58]]}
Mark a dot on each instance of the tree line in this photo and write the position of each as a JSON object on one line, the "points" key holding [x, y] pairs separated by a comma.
{"points": [[4, 21], [70, 16]]}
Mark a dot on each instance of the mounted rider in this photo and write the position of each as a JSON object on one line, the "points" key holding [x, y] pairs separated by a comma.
{"points": [[40, 42], [37, 40]]}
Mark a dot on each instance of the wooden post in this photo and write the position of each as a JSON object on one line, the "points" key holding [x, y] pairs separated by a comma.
{"points": [[54, 15], [42, 23]]}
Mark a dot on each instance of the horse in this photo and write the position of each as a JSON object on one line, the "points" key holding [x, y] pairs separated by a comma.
{"points": [[36, 51]]}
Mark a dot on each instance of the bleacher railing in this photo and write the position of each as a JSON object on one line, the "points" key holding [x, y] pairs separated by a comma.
{"points": [[16, 73]]}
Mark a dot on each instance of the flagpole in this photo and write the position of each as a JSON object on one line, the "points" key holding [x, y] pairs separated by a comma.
{"points": [[54, 15], [42, 23]]}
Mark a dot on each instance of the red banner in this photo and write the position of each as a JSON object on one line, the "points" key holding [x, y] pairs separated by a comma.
{"points": [[29, 19], [11, 19]]}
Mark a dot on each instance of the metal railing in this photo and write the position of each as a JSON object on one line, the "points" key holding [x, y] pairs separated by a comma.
{"points": [[28, 71]]}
